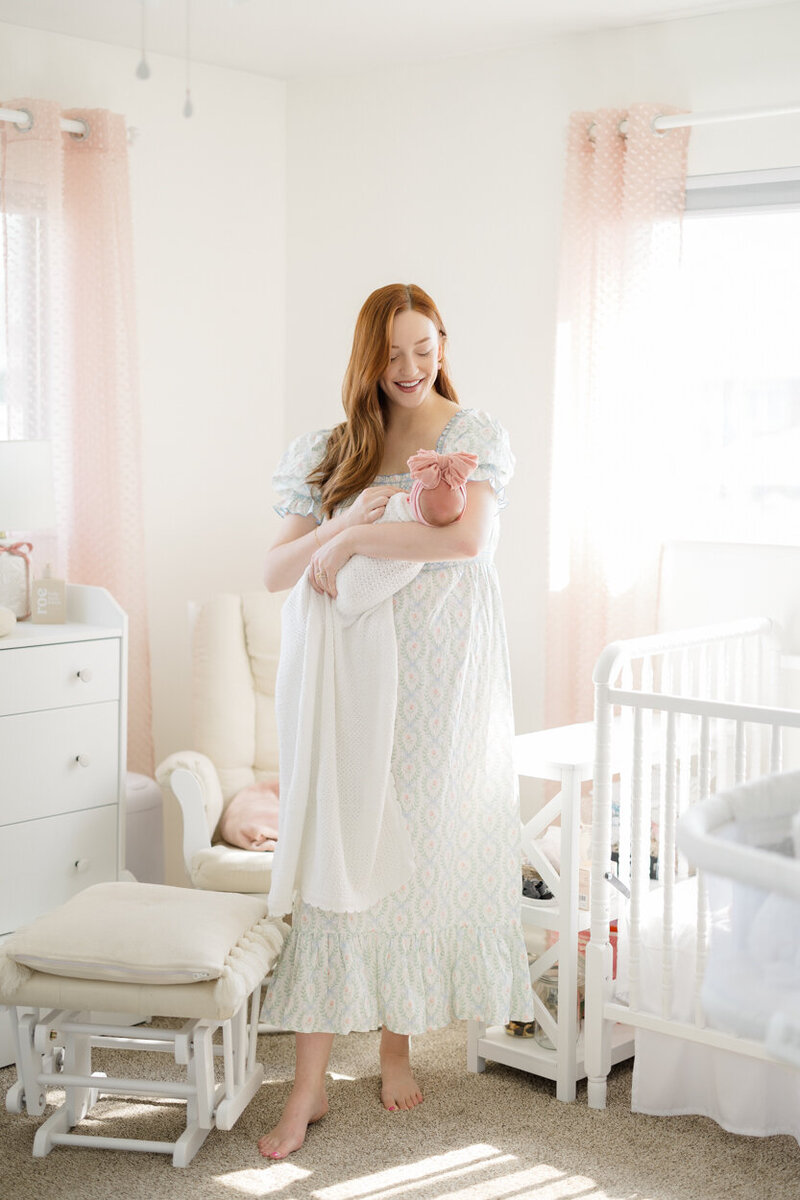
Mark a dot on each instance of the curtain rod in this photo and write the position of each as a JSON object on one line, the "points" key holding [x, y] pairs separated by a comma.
{"points": [[687, 120], [23, 120], [681, 120], [78, 129]]}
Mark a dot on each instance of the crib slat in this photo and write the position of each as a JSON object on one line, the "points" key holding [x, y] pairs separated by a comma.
{"points": [[667, 868], [666, 685], [704, 766], [625, 784], [738, 669], [760, 748], [683, 731], [740, 753], [637, 864], [701, 948], [775, 750]]}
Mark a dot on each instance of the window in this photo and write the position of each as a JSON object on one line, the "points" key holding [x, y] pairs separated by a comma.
{"points": [[736, 317]]}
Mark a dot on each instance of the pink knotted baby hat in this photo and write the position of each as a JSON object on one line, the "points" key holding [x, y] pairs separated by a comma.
{"points": [[429, 469]]}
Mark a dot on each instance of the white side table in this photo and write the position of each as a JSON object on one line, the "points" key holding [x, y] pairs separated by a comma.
{"points": [[564, 755]]}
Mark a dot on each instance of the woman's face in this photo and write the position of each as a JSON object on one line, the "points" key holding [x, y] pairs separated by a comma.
{"points": [[414, 360]]}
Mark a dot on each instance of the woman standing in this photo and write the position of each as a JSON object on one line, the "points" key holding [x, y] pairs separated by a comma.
{"points": [[448, 944]]}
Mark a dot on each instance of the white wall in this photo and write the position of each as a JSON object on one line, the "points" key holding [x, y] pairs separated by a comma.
{"points": [[209, 242], [450, 176]]}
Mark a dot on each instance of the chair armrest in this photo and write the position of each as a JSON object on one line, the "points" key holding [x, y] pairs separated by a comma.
{"points": [[192, 779]]}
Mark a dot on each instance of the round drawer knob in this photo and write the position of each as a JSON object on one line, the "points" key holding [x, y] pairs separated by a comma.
{"points": [[82, 865], [85, 675], [82, 760]]}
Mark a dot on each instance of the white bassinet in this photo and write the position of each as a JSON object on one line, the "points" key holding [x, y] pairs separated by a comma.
{"points": [[747, 840], [706, 965]]}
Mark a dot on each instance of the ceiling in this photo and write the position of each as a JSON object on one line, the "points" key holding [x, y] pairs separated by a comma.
{"points": [[293, 38]]}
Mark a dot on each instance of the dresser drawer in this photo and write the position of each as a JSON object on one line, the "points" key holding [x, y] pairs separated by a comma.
{"points": [[43, 863], [58, 761], [59, 675]]}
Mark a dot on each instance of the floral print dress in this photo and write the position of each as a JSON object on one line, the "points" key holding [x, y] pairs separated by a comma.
{"points": [[447, 945]]}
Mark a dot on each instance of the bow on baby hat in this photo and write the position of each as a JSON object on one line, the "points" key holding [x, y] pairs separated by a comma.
{"points": [[431, 469]]}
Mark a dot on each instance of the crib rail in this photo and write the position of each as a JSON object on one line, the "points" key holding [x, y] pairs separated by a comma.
{"points": [[688, 714]]}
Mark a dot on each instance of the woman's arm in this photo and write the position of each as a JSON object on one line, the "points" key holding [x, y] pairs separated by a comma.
{"points": [[410, 540], [300, 537], [290, 553]]}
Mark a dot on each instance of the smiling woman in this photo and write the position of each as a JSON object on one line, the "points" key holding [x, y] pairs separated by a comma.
{"points": [[434, 932]]}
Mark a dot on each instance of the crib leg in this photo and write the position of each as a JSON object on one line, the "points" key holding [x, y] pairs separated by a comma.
{"points": [[475, 1062], [596, 1091], [597, 1031]]}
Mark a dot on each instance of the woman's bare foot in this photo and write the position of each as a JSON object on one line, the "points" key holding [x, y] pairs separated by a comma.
{"points": [[303, 1107], [399, 1088], [307, 1100]]}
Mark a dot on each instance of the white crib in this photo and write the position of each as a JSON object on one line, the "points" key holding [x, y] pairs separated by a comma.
{"points": [[688, 714]]}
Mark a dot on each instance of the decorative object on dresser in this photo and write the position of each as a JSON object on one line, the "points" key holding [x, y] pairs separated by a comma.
{"points": [[26, 503], [63, 692]]}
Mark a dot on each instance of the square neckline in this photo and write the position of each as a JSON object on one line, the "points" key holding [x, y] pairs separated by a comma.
{"points": [[407, 474]]}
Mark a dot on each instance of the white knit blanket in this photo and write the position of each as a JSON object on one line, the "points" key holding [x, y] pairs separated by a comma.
{"points": [[342, 840]]}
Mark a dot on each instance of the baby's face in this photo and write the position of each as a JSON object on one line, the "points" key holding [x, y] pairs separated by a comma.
{"points": [[441, 505]]}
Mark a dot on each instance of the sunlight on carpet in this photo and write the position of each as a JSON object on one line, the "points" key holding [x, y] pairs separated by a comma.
{"points": [[262, 1181], [425, 1171], [547, 1182]]}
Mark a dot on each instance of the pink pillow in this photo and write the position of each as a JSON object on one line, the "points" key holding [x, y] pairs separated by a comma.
{"points": [[250, 820]]}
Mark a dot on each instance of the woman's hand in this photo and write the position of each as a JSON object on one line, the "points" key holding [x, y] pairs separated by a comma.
{"points": [[328, 561], [368, 505]]}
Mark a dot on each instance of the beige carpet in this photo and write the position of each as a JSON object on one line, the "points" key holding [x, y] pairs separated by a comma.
{"points": [[476, 1137]]}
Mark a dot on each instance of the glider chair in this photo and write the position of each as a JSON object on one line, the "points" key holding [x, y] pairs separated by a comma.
{"points": [[235, 642]]}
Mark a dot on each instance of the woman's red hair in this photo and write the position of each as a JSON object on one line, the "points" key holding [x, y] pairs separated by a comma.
{"points": [[355, 448]]}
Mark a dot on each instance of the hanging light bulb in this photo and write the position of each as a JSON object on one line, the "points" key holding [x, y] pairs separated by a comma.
{"points": [[188, 107], [143, 69]]}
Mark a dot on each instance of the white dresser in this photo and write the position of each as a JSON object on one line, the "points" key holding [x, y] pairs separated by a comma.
{"points": [[62, 757]]}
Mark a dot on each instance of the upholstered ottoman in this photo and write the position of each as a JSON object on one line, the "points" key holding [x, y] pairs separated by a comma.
{"points": [[138, 948]]}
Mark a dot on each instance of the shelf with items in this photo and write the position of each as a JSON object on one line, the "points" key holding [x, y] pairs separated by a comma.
{"points": [[566, 756], [525, 1054]]}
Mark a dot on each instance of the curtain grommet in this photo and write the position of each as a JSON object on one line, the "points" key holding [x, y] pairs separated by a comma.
{"points": [[658, 132], [27, 125], [83, 135]]}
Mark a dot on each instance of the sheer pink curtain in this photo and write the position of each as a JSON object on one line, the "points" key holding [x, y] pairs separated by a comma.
{"points": [[71, 356], [610, 477]]}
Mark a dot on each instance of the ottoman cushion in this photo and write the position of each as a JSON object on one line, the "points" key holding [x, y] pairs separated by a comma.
{"points": [[226, 868], [140, 933]]}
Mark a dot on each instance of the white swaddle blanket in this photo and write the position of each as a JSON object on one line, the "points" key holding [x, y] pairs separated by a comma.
{"points": [[342, 840]]}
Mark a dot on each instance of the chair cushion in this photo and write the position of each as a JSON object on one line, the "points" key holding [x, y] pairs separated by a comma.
{"points": [[235, 646], [223, 868], [144, 933]]}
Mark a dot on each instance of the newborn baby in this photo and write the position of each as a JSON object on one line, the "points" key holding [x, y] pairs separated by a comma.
{"points": [[250, 820], [438, 496]]}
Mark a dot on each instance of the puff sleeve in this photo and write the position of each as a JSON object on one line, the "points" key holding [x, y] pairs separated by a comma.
{"points": [[475, 432], [297, 462]]}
